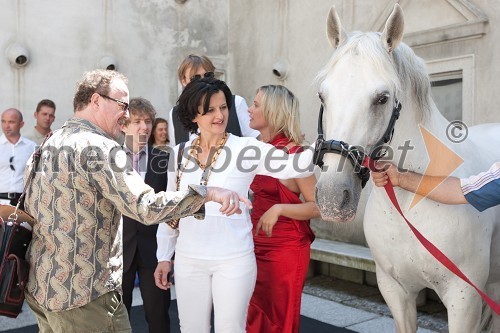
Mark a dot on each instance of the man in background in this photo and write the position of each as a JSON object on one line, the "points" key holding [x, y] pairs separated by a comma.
{"points": [[45, 114], [15, 150], [194, 67], [139, 241]]}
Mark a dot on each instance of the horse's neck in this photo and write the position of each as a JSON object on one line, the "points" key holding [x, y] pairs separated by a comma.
{"points": [[408, 143]]}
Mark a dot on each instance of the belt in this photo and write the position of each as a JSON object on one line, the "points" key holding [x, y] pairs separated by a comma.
{"points": [[10, 195]]}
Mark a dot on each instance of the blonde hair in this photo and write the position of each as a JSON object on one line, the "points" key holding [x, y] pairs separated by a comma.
{"points": [[281, 111], [194, 62]]}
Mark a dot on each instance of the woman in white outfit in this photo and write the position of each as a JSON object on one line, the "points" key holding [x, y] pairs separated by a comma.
{"points": [[214, 258]]}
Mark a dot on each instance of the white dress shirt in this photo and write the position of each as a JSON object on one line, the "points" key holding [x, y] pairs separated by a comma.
{"points": [[13, 158]]}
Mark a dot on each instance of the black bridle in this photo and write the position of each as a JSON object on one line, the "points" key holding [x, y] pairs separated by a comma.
{"points": [[354, 154]]}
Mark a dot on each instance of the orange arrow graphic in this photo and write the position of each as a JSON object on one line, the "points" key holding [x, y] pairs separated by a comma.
{"points": [[442, 162]]}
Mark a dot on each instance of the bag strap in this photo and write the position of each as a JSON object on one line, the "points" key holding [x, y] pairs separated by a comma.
{"points": [[34, 166], [174, 224], [179, 164]]}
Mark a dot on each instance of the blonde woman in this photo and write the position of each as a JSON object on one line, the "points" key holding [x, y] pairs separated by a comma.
{"points": [[282, 237]]}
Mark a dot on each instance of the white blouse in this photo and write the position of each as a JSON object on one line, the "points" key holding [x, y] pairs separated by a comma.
{"points": [[219, 236]]}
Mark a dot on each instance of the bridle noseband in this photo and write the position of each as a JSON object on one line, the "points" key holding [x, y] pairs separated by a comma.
{"points": [[358, 158]]}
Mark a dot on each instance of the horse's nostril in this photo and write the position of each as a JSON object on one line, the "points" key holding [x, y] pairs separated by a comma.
{"points": [[346, 197]]}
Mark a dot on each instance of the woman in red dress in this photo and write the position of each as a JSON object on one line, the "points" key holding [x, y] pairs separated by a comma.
{"points": [[282, 235]]}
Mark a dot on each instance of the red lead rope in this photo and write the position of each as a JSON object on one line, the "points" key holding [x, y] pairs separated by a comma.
{"points": [[436, 253]]}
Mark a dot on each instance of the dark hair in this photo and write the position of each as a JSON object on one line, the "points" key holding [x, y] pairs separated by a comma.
{"points": [[194, 94], [45, 102], [96, 81], [155, 124]]}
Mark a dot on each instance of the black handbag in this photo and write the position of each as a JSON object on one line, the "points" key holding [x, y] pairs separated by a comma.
{"points": [[15, 237]]}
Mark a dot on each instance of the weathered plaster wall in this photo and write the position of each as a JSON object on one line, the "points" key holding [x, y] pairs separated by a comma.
{"points": [[486, 67], [148, 38]]}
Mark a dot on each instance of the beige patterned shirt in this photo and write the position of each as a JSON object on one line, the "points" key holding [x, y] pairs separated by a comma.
{"points": [[82, 187]]}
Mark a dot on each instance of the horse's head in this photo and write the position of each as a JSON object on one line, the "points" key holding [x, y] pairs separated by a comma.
{"points": [[359, 93]]}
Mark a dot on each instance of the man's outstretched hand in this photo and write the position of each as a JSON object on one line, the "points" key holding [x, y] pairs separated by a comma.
{"points": [[229, 200]]}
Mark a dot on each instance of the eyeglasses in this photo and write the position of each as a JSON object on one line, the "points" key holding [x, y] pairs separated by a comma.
{"points": [[11, 160], [198, 76], [123, 104]]}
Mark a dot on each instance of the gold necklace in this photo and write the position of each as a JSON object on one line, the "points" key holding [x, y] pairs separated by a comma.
{"points": [[207, 169], [195, 149]]}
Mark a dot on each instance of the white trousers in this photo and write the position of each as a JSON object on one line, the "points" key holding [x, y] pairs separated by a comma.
{"points": [[227, 284]]}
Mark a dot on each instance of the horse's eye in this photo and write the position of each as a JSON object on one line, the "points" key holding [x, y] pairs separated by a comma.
{"points": [[382, 99]]}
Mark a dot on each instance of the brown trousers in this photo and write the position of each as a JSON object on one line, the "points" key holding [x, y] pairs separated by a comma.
{"points": [[104, 314]]}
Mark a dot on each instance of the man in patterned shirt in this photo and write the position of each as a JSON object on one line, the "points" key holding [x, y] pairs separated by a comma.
{"points": [[81, 188], [481, 191]]}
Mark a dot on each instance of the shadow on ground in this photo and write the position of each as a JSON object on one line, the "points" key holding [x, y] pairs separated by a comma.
{"points": [[432, 315]]}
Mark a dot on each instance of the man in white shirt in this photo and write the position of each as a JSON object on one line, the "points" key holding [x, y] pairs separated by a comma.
{"points": [[15, 151], [45, 114]]}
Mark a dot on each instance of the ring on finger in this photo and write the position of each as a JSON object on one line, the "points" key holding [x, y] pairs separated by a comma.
{"points": [[231, 202]]}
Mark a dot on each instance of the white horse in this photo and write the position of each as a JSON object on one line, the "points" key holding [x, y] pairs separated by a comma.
{"points": [[359, 88]]}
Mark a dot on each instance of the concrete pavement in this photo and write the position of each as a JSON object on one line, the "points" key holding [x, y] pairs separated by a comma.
{"points": [[337, 303]]}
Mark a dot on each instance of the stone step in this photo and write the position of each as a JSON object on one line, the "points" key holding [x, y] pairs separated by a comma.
{"points": [[342, 254]]}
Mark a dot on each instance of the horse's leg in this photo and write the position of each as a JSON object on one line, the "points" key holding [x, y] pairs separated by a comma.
{"points": [[401, 302], [493, 290], [464, 307], [493, 284]]}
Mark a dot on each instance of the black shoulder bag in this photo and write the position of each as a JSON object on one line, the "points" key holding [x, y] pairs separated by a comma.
{"points": [[15, 237]]}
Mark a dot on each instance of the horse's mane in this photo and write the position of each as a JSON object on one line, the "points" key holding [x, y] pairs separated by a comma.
{"points": [[401, 68]]}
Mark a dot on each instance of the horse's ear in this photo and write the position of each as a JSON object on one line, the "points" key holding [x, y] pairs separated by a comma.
{"points": [[334, 29], [394, 28]]}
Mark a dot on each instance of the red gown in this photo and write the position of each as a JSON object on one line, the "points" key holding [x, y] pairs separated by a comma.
{"points": [[282, 259]]}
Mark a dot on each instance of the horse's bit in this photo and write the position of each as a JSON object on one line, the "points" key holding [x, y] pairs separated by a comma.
{"points": [[356, 156]]}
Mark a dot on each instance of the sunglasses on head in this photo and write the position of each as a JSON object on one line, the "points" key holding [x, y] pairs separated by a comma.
{"points": [[198, 76]]}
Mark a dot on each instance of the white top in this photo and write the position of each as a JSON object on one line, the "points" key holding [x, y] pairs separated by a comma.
{"points": [[219, 236], [35, 136], [241, 112], [19, 153]]}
